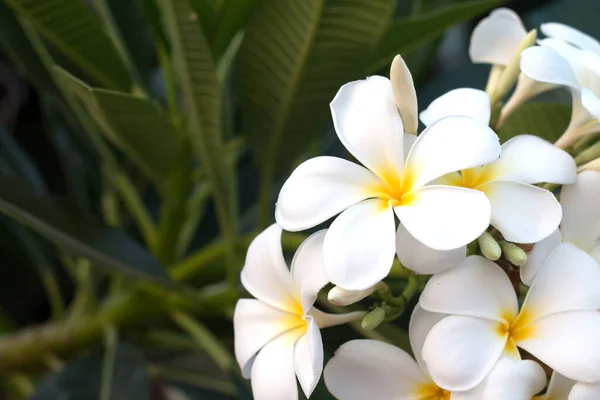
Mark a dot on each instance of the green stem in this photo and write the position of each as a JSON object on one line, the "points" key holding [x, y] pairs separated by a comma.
{"points": [[589, 154], [136, 207], [55, 298], [110, 355]]}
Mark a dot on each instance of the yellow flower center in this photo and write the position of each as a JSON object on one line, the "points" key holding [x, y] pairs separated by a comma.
{"points": [[515, 329], [473, 178], [431, 391], [393, 188], [294, 318]]}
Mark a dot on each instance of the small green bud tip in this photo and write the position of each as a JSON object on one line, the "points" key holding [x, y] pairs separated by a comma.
{"points": [[514, 254], [489, 247], [373, 319]]}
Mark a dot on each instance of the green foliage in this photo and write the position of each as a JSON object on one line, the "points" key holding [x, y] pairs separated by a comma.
{"points": [[545, 120]]}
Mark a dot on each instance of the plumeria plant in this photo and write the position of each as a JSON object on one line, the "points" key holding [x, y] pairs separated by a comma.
{"points": [[502, 263]]}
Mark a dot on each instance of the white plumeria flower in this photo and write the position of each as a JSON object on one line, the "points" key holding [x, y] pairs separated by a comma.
{"points": [[277, 336], [523, 213], [370, 369], [580, 224], [360, 243], [559, 322], [496, 38], [562, 388], [572, 59]]}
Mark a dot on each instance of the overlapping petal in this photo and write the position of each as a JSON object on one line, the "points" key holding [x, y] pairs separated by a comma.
{"points": [[308, 271], [496, 38], [538, 255], [581, 210], [404, 94], [421, 322], [308, 358], [543, 64], [558, 388], [585, 391], [360, 244], [319, 189], [445, 217], [467, 102], [571, 35]]}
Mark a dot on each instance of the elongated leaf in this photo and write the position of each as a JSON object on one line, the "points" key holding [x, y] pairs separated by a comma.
{"points": [[70, 26], [78, 233], [295, 56], [206, 12], [406, 34], [137, 125], [232, 17], [546, 120]]}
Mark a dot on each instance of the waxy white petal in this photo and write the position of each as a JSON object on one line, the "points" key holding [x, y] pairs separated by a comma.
{"points": [[265, 274], [571, 35], [581, 210], [445, 217], [538, 255], [308, 270], [416, 256], [530, 159], [319, 189], [409, 141], [308, 358], [273, 376], [370, 369], [523, 213], [558, 388], [585, 391], [450, 144], [360, 244], [325, 320], [496, 38], [368, 124], [543, 64], [591, 102], [467, 102], [404, 94], [461, 351], [477, 287], [568, 281], [255, 324], [421, 322], [568, 343]]}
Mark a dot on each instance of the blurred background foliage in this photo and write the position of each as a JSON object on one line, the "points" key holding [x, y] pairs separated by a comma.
{"points": [[142, 146]]}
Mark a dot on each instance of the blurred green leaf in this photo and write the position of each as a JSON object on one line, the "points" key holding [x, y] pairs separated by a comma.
{"points": [[294, 57], [78, 233], [206, 12], [406, 34], [81, 379], [18, 163], [545, 120], [136, 125], [232, 17], [72, 28]]}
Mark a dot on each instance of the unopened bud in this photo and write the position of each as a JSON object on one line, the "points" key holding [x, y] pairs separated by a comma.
{"points": [[593, 165], [489, 247], [343, 297], [514, 254], [373, 319]]}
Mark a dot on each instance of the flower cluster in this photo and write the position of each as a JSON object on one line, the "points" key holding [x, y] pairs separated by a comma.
{"points": [[508, 275]]}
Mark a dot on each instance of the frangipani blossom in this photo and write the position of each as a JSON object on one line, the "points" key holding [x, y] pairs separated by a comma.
{"points": [[559, 322], [523, 213], [360, 244], [580, 224], [277, 336], [572, 59], [562, 388], [370, 369], [497, 37]]}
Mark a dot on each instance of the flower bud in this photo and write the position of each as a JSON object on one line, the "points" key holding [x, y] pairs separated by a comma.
{"points": [[489, 247], [592, 165], [513, 253], [343, 297], [373, 319]]}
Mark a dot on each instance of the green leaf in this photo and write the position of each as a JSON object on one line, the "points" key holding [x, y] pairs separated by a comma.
{"points": [[15, 161], [71, 27], [136, 125], [78, 233], [295, 56], [233, 16], [81, 379], [546, 120], [206, 12], [406, 34]]}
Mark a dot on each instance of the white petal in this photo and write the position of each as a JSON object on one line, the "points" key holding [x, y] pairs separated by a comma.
{"points": [[308, 270], [568, 280], [496, 38], [265, 274], [448, 145], [583, 63], [416, 256], [368, 124], [461, 351], [319, 189], [360, 244], [595, 252], [409, 141], [308, 358], [370, 369], [544, 64], [421, 322], [558, 388], [568, 343], [343, 297], [591, 102], [255, 324], [325, 320], [445, 217], [523, 213], [538, 255], [510, 379], [404, 94], [571, 35], [530, 159], [585, 391], [477, 287], [273, 376], [468, 102], [581, 210]]}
